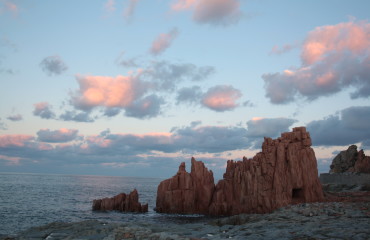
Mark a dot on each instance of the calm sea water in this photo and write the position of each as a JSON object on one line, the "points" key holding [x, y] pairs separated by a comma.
{"points": [[28, 200]]}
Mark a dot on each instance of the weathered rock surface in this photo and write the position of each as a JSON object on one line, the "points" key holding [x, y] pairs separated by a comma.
{"points": [[333, 220], [285, 172], [186, 192], [351, 160], [121, 202]]}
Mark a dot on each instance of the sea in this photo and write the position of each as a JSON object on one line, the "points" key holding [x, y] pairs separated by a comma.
{"points": [[29, 200]]}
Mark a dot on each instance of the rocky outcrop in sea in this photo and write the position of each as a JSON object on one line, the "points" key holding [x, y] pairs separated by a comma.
{"points": [[121, 202], [284, 173]]}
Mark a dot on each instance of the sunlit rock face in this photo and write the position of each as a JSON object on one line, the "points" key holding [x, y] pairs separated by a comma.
{"points": [[351, 160], [284, 173], [121, 202]]}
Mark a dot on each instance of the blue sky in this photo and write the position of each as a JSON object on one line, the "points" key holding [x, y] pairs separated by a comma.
{"points": [[134, 87]]}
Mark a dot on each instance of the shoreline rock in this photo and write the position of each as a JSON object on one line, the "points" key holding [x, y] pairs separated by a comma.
{"points": [[351, 161], [284, 173], [325, 220], [121, 202]]}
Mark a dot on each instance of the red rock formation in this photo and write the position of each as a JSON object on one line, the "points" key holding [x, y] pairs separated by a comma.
{"points": [[121, 202], [362, 164], [185, 192], [285, 172]]}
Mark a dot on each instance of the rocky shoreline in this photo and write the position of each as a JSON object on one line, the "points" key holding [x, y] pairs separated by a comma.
{"points": [[325, 220]]}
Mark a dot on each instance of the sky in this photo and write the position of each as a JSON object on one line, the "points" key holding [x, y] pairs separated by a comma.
{"points": [[135, 87]]}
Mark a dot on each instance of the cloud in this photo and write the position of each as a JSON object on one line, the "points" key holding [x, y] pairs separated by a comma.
{"points": [[6, 70], [140, 94], [14, 140], [167, 76], [113, 94], [63, 147], [334, 58], [11, 160], [7, 43], [128, 63], [109, 6], [349, 126], [111, 112], [258, 128], [248, 103], [2, 125], [190, 139], [109, 92], [163, 41], [76, 116], [9, 6], [210, 139], [57, 136], [181, 5], [15, 118], [280, 50], [130, 9], [190, 95], [221, 98], [216, 12], [43, 110], [268, 127], [147, 107], [53, 65]]}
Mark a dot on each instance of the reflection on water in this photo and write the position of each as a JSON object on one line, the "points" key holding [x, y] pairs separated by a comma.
{"points": [[35, 199]]}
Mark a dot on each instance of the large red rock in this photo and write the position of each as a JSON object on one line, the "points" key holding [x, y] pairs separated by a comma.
{"points": [[284, 173], [185, 192], [121, 202]]}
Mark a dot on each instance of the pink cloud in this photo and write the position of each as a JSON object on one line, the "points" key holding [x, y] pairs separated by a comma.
{"points": [[9, 6], [98, 140], [163, 41], [15, 140], [119, 91], [11, 160], [334, 58], [183, 5], [221, 98], [219, 12], [109, 6], [350, 36]]}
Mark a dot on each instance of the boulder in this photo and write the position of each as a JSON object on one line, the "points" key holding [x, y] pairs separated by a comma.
{"points": [[351, 160], [121, 202], [284, 173]]}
